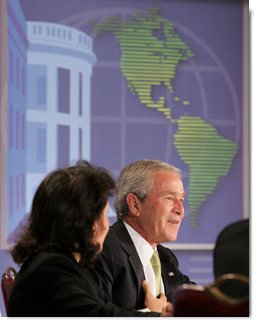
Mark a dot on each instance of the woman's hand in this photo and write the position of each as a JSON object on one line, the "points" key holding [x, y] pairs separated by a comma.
{"points": [[156, 304]]}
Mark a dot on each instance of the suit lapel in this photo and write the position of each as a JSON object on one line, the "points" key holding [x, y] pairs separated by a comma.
{"points": [[129, 248]]}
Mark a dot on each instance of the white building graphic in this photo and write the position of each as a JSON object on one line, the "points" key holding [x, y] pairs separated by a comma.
{"points": [[45, 81], [60, 61]]}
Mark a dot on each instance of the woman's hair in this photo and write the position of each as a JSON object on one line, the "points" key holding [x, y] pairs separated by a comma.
{"points": [[137, 178], [65, 206]]}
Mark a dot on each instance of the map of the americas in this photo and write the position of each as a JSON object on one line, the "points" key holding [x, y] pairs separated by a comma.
{"points": [[151, 51]]}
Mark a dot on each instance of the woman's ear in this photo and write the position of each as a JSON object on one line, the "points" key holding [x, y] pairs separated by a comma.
{"points": [[133, 203], [95, 227]]}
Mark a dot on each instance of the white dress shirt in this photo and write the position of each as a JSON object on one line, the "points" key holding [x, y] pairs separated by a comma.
{"points": [[145, 252]]}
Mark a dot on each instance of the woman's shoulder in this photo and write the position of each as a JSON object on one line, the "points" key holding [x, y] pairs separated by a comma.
{"points": [[50, 261]]}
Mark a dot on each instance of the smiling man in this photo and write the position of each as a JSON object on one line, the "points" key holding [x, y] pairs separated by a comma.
{"points": [[149, 206]]}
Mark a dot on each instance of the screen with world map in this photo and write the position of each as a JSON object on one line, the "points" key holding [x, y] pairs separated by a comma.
{"points": [[167, 82]]}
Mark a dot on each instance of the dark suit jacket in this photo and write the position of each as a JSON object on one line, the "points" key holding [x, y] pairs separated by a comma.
{"points": [[119, 272], [52, 284]]}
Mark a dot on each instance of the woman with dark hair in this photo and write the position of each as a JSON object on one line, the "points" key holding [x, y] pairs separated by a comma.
{"points": [[66, 230]]}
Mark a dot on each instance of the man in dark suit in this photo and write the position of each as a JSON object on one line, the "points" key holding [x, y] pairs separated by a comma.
{"points": [[231, 256], [231, 252], [149, 205]]}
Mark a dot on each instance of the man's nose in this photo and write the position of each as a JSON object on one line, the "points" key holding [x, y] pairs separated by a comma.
{"points": [[179, 208]]}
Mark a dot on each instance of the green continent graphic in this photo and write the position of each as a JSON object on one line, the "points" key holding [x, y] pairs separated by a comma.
{"points": [[151, 51], [208, 155]]}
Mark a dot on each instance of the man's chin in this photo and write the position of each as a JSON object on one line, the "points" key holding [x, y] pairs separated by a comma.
{"points": [[169, 239], [173, 237]]}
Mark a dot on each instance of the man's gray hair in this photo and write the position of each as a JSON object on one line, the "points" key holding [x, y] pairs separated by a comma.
{"points": [[137, 178]]}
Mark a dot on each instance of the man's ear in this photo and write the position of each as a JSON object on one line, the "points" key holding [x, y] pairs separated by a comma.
{"points": [[133, 203]]}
